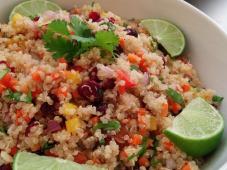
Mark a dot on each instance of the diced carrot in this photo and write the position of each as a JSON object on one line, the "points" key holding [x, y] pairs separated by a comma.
{"points": [[24, 88], [141, 111], [123, 155], [2, 88], [61, 91], [13, 150], [143, 161], [121, 89], [143, 131], [55, 76], [186, 87], [133, 58], [122, 42], [94, 120], [80, 158], [164, 111], [136, 139], [186, 166], [176, 107], [168, 145], [36, 76], [143, 66], [36, 92]]}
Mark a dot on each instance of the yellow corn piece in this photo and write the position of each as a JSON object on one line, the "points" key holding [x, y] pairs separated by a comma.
{"points": [[72, 124], [153, 123], [74, 77], [69, 109], [15, 18]]}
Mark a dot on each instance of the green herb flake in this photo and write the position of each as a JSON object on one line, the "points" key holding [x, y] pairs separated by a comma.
{"points": [[217, 99], [102, 141], [47, 145], [142, 151], [134, 67], [111, 125], [17, 96], [154, 162], [175, 96], [110, 25], [4, 72]]}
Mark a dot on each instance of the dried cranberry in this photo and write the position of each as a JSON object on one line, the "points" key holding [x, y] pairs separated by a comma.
{"points": [[5, 167], [131, 32], [36, 18], [91, 91], [102, 108], [111, 19], [109, 83], [12, 69], [53, 126], [47, 109], [119, 137], [28, 129], [118, 50], [95, 16], [93, 74]]}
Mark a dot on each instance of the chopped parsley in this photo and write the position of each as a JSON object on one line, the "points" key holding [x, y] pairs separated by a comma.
{"points": [[175, 96], [111, 125], [142, 151], [47, 145], [134, 67], [69, 44], [217, 99], [18, 97], [102, 141]]}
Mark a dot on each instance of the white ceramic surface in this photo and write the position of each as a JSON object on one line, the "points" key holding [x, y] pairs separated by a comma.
{"points": [[206, 44]]}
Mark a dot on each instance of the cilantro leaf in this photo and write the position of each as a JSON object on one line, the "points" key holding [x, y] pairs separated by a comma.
{"points": [[217, 99], [106, 40], [111, 125], [60, 46], [17, 96], [80, 28], [59, 27]]}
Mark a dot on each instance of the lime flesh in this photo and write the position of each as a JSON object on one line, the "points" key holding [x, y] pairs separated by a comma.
{"points": [[198, 129], [30, 161], [34, 8], [166, 34]]}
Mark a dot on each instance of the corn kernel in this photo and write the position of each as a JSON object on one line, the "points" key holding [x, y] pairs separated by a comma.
{"points": [[69, 109], [74, 77], [15, 18], [72, 124], [153, 123]]}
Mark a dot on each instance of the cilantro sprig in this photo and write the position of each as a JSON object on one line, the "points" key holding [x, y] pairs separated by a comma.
{"points": [[18, 96], [71, 39]]}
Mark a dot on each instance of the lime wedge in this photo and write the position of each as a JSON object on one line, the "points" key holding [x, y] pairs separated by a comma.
{"points": [[198, 129], [30, 161], [34, 8], [166, 34]]}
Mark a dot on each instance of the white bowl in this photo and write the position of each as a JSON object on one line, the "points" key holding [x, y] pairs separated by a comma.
{"points": [[206, 44]]}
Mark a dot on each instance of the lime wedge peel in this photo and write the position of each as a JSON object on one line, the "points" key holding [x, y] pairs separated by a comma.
{"points": [[34, 8], [198, 129], [31, 161], [166, 34]]}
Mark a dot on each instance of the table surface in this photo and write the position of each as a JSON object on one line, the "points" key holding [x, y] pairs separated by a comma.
{"points": [[216, 9]]}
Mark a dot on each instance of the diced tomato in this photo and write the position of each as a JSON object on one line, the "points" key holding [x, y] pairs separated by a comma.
{"points": [[13, 150], [143, 66], [121, 89], [36, 92], [186, 87], [164, 111], [136, 139], [123, 155], [80, 158], [176, 107], [141, 111], [78, 68], [186, 166], [94, 120], [168, 145], [2, 88], [143, 161], [8, 81], [36, 76], [123, 76]]}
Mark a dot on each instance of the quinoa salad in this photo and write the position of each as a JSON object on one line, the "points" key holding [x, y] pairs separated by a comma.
{"points": [[104, 104]]}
